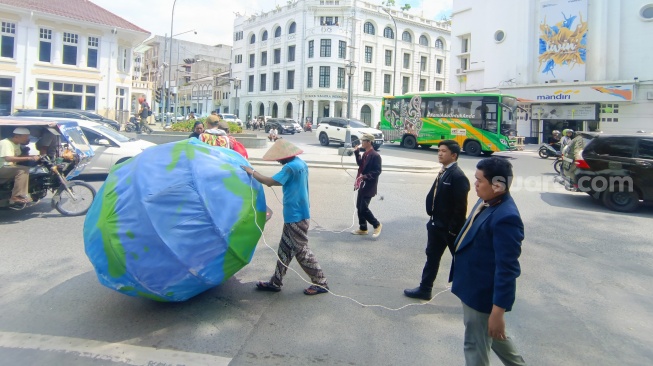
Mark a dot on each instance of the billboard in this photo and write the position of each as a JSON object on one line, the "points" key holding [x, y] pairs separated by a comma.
{"points": [[573, 93], [576, 112], [562, 40]]}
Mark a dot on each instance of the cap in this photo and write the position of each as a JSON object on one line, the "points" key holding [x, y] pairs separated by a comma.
{"points": [[367, 137], [21, 131], [282, 149]]}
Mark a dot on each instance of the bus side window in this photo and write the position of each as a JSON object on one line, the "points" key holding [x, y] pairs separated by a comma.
{"points": [[490, 122]]}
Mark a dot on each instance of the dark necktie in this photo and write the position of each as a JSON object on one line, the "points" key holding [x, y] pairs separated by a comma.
{"points": [[435, 185]]}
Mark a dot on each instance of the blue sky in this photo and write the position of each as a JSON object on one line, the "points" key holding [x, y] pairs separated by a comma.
{"points": [[213, 19]]}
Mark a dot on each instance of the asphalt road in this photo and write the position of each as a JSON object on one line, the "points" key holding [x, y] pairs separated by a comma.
{"points": [[584, 297]]}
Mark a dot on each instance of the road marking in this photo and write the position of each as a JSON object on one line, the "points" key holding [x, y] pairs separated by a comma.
{"points": [[115, 352]]}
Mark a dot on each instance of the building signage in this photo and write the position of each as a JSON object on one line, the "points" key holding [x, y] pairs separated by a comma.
{"points": [[323, 96], [562, 41], [573, 94], [576, 112]]}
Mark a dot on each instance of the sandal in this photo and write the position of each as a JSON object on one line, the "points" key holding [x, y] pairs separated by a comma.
{"points": [[267, 286], [316, 290], [19, 200]]}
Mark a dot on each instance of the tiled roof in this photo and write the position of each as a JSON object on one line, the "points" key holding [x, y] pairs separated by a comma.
{"points": [[83, 10]]}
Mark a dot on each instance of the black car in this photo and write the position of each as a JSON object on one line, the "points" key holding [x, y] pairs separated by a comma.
{"points": [[616, 169], [281, 124], [68, 113]]}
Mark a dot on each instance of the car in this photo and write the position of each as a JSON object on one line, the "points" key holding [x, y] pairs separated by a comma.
{"points": [[615, 169], [298, 128], [334, 129], [281, 124], [110, 147], [68, 113], [231, 118]]}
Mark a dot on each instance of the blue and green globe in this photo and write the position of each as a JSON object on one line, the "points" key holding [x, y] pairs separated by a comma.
{"points": [[174, 221]]}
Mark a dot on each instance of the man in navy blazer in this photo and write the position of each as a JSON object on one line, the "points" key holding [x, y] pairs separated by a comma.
{"points": [[485, 266]]}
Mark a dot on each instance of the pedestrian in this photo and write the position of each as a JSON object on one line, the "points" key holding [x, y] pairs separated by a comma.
{"points": [[446, 205], [367, 180], [198, 129], [293, 177], [273, 136], [143, 113], [485, 265]]}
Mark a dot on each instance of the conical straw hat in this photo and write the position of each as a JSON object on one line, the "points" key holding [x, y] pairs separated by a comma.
{"points": [[282, 149]]}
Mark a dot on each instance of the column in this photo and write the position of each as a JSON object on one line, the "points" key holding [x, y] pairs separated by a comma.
{"points": [[332, 108]]}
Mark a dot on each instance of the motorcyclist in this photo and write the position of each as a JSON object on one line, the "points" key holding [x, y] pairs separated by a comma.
{"points": [[10, 154], [566, 140], [554, 140]]}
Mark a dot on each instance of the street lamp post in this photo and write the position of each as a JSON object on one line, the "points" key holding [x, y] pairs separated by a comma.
{"points": [[167, 104], [351, 69], [236, 87], [394, 73]]}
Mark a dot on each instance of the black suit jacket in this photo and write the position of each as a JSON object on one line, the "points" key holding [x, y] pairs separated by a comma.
{"points": [[449, 209], [370, 173]]}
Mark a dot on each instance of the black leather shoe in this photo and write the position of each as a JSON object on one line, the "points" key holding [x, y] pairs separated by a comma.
{"points": [[418, 293]]}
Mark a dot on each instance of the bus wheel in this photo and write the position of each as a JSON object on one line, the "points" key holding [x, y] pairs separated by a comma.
{"points": [[410, 142], [473, 148]]}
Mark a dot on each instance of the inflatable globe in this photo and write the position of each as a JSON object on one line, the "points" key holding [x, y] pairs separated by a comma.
{"points": [[174, 221]]}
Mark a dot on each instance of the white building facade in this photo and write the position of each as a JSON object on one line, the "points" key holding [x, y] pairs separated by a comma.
{"points": [[292, 61], [579, 64], [52, 57]]}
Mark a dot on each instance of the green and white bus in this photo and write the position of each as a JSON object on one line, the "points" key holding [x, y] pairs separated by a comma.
{"points": [[479, 122]]}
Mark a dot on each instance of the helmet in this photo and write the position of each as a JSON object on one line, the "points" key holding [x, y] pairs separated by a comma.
{"points": [[569, 130], [555, 132]]}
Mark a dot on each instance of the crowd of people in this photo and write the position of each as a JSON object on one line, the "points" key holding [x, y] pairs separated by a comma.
{"points": [[485, 245]]}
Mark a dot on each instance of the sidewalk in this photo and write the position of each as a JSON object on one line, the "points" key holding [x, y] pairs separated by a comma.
{"points": [[327, 157]]}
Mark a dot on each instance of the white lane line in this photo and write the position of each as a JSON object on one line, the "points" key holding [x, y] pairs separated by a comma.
{"points": [[115, 352]]}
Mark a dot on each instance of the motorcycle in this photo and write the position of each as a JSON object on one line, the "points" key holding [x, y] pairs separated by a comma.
{"points": [[557, 164], [54, 174], [308, 127], [132, 126], [547, 151]]}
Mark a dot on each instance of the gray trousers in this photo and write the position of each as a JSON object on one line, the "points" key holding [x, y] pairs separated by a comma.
{"points": [[478, 343]]}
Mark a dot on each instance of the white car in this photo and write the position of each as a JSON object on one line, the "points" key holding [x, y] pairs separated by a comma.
{"points": [[110, 147], [334, 129], [231, 118]]}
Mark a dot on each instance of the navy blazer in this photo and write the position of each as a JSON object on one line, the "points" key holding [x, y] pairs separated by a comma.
{"points": [[485, 265]]}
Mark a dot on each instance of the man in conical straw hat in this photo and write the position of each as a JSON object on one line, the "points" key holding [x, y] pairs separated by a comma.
{"points": [[293, 177]]}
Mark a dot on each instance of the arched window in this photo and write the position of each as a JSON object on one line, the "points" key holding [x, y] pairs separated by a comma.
{"points": [[368, 28], [406, 37], [277, 32], [261, 109], [366, 115], [423, 40], [388, 33], [252, 39], [439, 44], [264, 37], [292, 28], [289, 110]]}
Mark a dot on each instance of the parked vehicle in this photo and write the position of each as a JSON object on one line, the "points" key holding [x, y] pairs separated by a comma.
{"points": [[334, 129], [546, 151], [298, 128], [282, 125], [67, 113], [111, 147], [54, 173], [615, 169], [231, 118]]}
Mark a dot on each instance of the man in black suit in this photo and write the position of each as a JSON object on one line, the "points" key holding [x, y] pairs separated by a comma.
{"points": [[446, 204], [369, 169]]}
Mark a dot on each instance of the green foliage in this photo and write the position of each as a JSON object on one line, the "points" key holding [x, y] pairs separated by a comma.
{"points": [[388, 3], [234, 128], [406, 7]]}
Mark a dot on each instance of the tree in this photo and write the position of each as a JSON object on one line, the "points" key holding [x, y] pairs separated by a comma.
{"points": [[406, 7], [388, 3]]}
